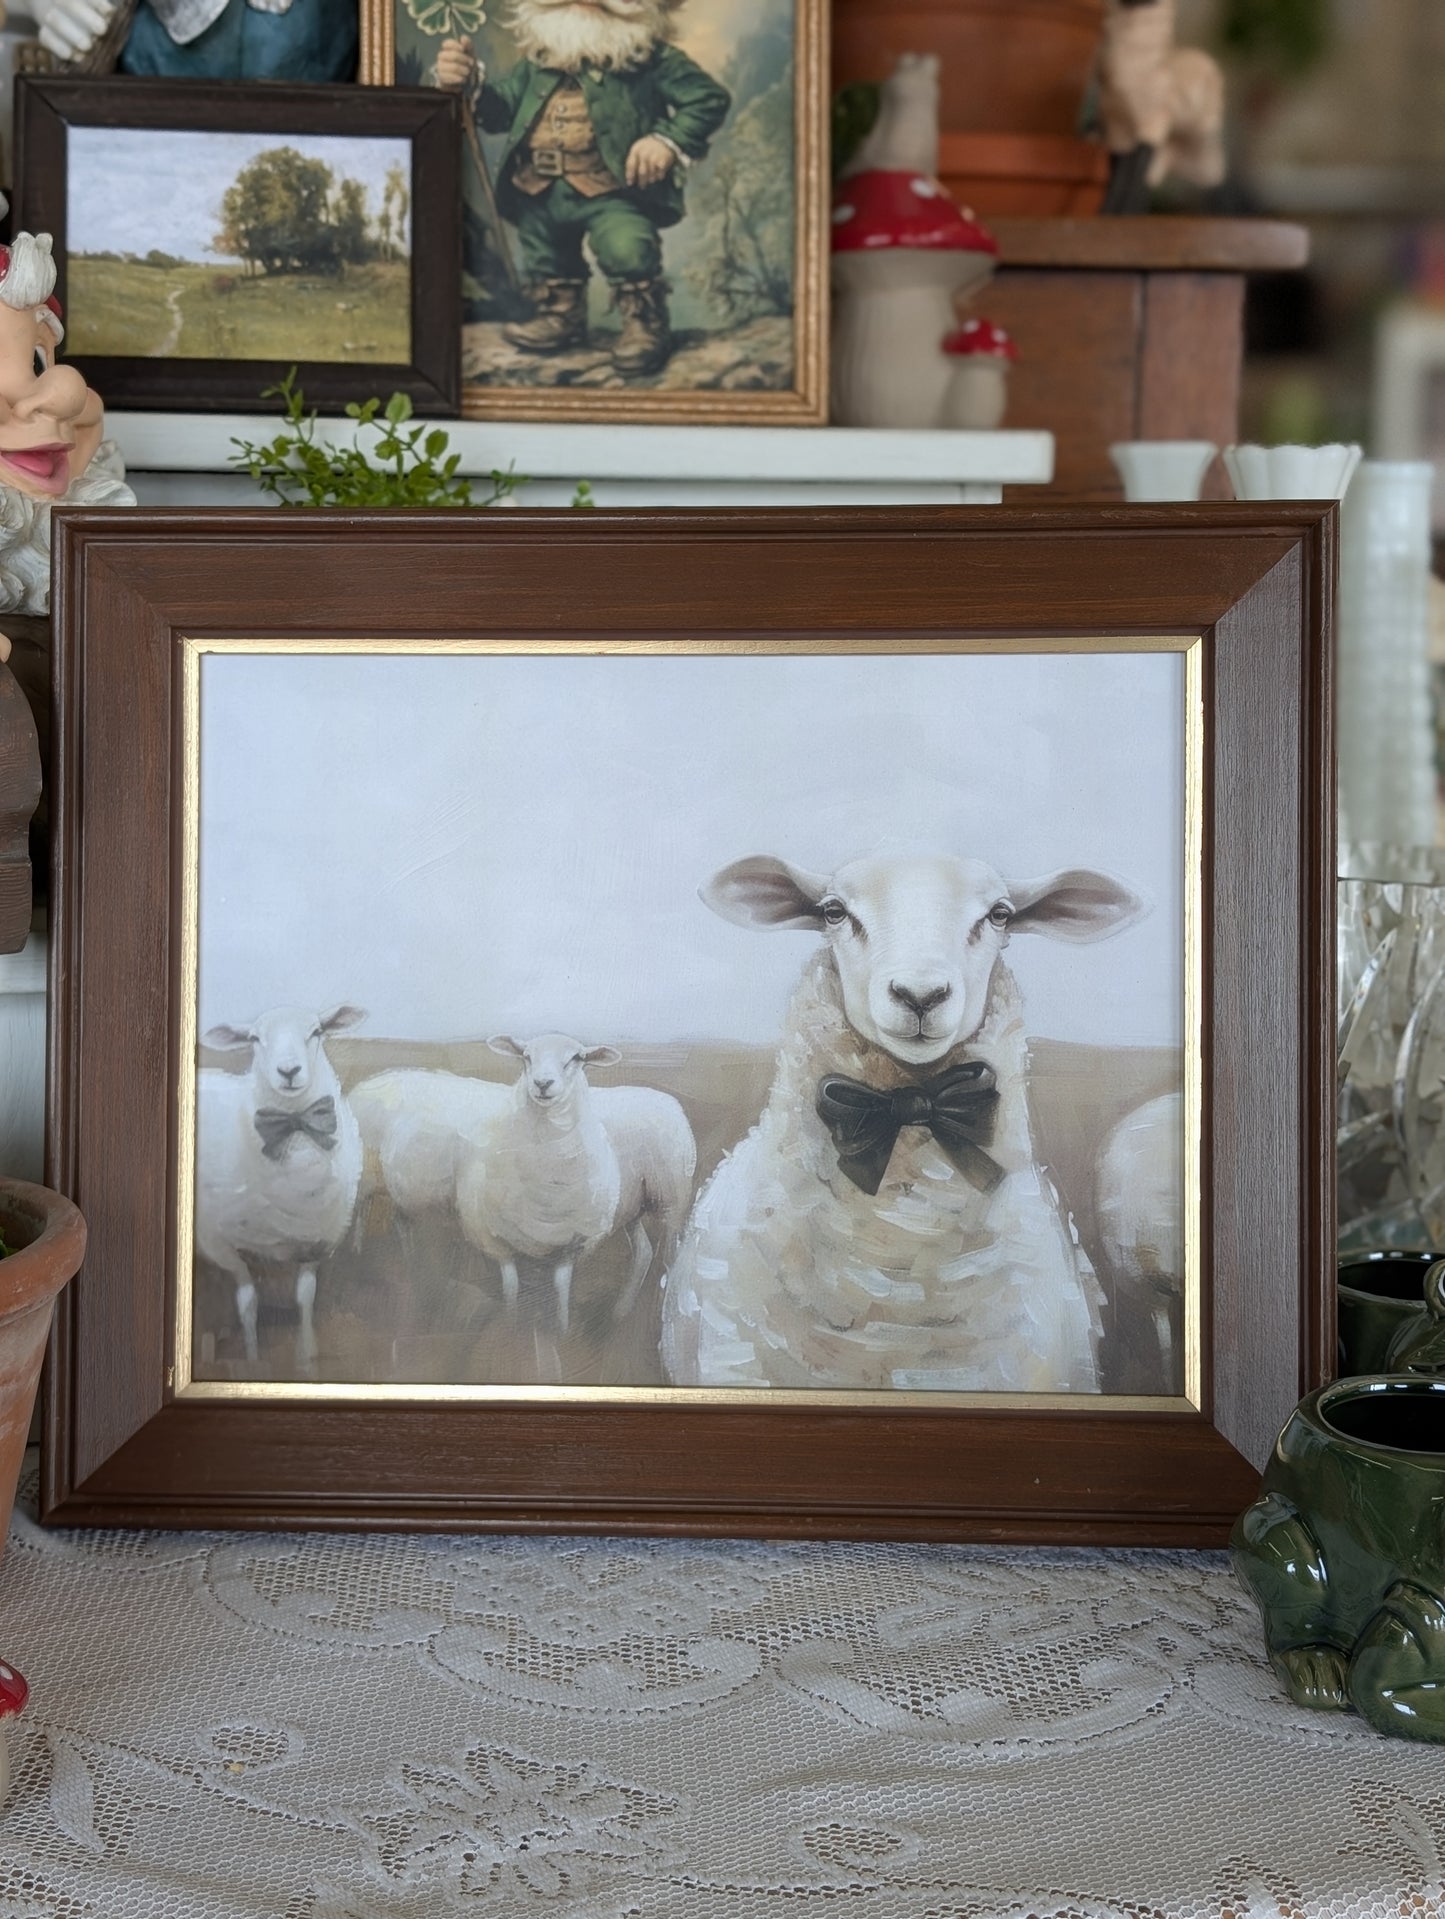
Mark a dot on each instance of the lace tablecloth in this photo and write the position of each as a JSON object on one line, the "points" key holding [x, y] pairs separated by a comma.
{"points": [[413, 1728]]}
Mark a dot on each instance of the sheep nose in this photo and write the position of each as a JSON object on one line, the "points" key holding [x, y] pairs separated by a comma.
{"points": [[544, 1085], [919, 999], [289, 1073]]}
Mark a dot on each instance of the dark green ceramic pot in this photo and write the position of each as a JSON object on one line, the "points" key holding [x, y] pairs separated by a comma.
{"points": [[1344, 1553], [1379, 1294]]}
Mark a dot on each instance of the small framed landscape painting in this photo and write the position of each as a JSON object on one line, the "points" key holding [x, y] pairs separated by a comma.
{"points": [[644, 201], [209, 238], [797, 1024]]}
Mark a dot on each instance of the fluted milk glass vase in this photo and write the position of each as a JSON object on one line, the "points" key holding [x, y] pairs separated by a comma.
{"points": [[1386, 726]]}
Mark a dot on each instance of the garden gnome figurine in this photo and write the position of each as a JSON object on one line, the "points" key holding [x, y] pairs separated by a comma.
{"points": [[204, 39], [51, 426]]}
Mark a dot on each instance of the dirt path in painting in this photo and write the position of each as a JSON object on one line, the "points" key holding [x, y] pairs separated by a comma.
{"points": [[173, 339]]}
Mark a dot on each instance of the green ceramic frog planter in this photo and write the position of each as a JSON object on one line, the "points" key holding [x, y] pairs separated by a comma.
{"points": [[1344, 1553], [1419, 1344], [1379, 1295]]}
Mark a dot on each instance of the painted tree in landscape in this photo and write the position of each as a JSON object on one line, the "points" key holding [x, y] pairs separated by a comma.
{"points": [[288, 213], [395, 206]]}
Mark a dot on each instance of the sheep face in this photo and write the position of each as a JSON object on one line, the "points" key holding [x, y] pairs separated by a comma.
{"points": [[554, 1066], [285, 1046], [915, 941]]}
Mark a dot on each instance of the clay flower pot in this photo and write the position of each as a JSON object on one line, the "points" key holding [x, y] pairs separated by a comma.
{"points": [[1009, 66], [1033, 175], [47, 1237]]}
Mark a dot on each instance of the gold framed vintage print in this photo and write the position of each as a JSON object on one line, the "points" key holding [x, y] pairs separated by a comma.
{"points": [[644, 201], [489, 1116]]}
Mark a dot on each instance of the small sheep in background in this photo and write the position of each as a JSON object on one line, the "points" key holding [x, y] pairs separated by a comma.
{"points": [[885, 1224], [1139, 1205], [1162, 106], [278, 1160], [543, 1170]]}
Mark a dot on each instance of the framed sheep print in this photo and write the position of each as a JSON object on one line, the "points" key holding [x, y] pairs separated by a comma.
{"points": [[644, 201], [798, 1022], [211, 237]]}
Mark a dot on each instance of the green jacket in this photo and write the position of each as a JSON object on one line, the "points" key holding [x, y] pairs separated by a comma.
{"points": [[669, 94]]}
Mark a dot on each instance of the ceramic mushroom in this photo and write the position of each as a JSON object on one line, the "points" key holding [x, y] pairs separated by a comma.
{"points": [[13, 1694], [902, 252], [980, 355]]}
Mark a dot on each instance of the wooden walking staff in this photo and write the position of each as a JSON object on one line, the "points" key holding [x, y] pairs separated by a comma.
{"points": [[459, 20]]}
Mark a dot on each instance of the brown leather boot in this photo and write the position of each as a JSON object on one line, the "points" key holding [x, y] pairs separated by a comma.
{"points": [[645, 342], [559, 318]]}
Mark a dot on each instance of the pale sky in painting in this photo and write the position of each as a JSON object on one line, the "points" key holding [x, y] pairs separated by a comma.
{"points": [[468, 845], [132, 189]]}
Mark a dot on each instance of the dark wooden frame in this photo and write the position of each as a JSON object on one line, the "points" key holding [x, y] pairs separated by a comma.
{"points": [[1255, 581], [45, 108]]}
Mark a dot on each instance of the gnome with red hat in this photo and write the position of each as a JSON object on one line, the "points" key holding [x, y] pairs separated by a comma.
{"points": [[51, 425]]}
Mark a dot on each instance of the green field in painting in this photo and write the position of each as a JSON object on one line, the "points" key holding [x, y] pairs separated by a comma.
{"points": [[195, 312]]}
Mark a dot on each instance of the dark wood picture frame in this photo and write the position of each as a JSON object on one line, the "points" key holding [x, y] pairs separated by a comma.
{"points": [[1255, 582], [46, 108]]}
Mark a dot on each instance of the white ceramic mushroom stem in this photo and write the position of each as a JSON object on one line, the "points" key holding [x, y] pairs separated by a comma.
{"points": [[893, 307], [976, 396]]}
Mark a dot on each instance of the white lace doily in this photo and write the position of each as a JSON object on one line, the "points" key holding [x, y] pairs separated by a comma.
{"points": [[229, 1726]]}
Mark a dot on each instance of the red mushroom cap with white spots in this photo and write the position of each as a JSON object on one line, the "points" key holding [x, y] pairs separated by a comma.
{"points": [[13, 1691], [980, 336], [882, 208]]}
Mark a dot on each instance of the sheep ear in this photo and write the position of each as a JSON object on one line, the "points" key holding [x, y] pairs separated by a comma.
{"points": [[228, 1039], [343, 1017], [504, 1043], [1077, 905], [764, 891], [601, 1056]]}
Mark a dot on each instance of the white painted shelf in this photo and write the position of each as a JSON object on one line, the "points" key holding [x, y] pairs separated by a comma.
{"points": [[185, 458]]}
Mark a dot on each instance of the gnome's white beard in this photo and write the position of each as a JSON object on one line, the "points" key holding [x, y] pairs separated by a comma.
{"points": [[25, 530], [570, 37]]}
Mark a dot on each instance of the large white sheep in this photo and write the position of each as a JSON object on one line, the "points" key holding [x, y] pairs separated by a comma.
{"points": [[278, 1159], [885, 1224], [545, 1169]]}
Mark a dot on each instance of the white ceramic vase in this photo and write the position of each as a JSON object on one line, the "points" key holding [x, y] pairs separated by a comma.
{"points": [[1386, 728], [1162, 469], [1291, 472]]}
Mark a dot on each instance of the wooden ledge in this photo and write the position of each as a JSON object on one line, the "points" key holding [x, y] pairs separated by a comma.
{"points": [[1160, 243]]}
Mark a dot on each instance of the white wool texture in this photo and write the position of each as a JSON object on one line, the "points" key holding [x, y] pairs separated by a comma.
{"points": [[25, 529], [788, 1275], [30, 277], [569, 37]]}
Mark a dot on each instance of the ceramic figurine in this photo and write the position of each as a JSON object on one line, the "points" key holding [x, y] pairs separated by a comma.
{"points": [[1162, 469], [1419, 1344], [52, 450], [13, 1694], [1380, 1296], [1162, 106], [902, 253], [204, 39], [976, 396], [1343, 1554]]}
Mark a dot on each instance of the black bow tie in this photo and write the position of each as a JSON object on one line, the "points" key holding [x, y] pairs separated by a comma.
{"points": [[958, 1108], [317, 1121]]}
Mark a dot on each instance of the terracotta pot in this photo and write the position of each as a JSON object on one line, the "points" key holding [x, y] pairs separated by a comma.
{"points": [[1009, 66], [1036, 175], [49, 1236]]}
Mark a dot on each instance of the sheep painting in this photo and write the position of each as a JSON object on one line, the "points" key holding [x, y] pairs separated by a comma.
{"points": [[885, 1224], [278, 1160], [595, 1134], [544, 1171]]}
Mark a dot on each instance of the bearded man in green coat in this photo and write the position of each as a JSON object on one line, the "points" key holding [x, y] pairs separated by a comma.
{"points": [[602, 115]]}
